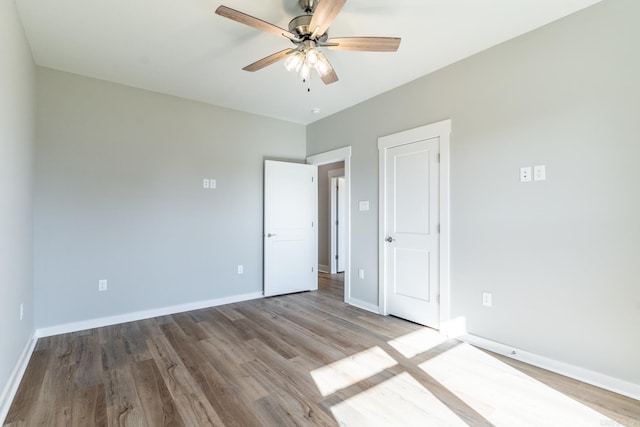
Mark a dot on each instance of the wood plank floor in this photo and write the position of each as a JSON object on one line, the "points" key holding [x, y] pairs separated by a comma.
{"points": [[295, 360]]}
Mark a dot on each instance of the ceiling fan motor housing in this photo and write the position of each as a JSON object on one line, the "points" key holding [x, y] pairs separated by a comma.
{"points": [[300, 27]]}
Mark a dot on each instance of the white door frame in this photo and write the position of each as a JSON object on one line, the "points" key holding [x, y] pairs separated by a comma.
{"points": [[339, 155], [442, 130]]}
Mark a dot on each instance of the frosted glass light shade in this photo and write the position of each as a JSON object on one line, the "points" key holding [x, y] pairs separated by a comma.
{"points": [[294, 61], [305, 71], [322, 66], [312, 56]]}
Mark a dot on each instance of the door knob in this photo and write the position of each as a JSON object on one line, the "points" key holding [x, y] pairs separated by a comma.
{"points": [[271, 235], [390, 239]]}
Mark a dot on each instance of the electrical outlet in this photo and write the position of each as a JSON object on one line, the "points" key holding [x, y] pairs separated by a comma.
{"points": [[240, 269], [205, 183], [525, 174], [486, 299], [21, 311], [102, 285]]}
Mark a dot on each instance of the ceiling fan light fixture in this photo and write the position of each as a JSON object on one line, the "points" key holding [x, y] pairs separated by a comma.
{"points": [[304, 61]]}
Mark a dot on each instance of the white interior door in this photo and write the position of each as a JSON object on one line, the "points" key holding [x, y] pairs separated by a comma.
{"points": [[290, 231], [411, 189]]}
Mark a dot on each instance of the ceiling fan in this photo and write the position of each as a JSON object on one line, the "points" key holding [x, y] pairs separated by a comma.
{"points": [[308, 32]]}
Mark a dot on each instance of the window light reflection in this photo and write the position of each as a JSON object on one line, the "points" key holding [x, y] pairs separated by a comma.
{"points": [[417, 342], [351, 370], [399, 401], [504, 395]]}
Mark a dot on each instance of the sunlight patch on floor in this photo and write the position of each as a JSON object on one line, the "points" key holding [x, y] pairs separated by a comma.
{"points": [[351, 370], [399, 401], [505, 396], [414, 343]]}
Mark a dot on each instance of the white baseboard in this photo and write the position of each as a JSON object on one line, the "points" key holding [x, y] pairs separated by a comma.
{"points": [[140, 315], [364, 305], [587, 376], [324, 268], [10, 390]]}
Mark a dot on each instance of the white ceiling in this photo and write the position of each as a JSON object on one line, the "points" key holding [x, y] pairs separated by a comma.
{"points": [[182, 48]]}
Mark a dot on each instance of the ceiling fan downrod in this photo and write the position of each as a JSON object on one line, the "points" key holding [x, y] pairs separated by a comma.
{"points": [[308, 6]]}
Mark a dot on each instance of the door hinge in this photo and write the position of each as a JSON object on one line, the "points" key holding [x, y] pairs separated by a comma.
{"points": [[312, 179], [438, 157], [311, 224], [438, 227], [336, 257], [312, 269]]}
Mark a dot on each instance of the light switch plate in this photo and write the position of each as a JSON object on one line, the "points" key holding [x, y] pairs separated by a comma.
{"points": [[364, 205], [539, 173], [486, 299]]}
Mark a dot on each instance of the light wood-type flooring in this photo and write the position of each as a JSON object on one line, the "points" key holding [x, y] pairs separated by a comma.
{"points": [[297, 360]]}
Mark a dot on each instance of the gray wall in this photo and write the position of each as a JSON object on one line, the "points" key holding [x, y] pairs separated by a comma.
{"points": [[324, 210], [17, 109], [118, 196], [560, 256]]}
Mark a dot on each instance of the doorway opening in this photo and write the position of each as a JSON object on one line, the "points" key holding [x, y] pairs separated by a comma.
{"points": [[331, 284], [331, 218], [337, 212], [332, 165]]}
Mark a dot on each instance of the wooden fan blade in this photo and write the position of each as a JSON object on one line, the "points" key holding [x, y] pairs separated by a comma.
{"points": [[271, 59], [251, 21], [323, 16], [330, 77], [367, 44]]}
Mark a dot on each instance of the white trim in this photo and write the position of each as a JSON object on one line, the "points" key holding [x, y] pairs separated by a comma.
{"points": [[585, 375], [442, 130], [140, 315], [10, 390], [323, 268], [339, 155], [364, 305]]}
